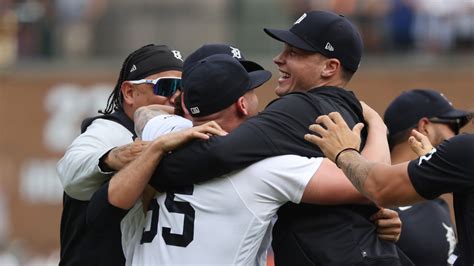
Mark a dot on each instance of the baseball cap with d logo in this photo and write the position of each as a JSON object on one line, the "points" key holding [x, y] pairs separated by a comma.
{"points": [[327, 33], [216, 82], [220, 48]]}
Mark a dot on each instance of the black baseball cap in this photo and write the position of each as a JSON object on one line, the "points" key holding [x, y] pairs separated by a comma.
{"points": [[151, 59], [219, 48], [408, 108], [327, 33], [216, 82]]}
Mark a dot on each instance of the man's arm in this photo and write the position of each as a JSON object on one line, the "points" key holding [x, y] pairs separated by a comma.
{"points": [[376, 147], [112, 201], [79, 169], [330, 186], [384, 184], [278, 130], [128, 184]]}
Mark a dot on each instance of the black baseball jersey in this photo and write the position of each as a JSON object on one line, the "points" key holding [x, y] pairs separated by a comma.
{"points": [[427, 233], [304, 234], [83, 240], [451, 169]]}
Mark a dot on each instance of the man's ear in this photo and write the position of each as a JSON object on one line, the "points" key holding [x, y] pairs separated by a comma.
{"points": [[241, 106], [331, 66], [422, 126], [127, 92]]}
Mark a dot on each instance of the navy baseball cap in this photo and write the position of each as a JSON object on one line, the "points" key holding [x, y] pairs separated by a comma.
{"points": [[327, 33], [216, 82], [218, 48], [408, 108]]}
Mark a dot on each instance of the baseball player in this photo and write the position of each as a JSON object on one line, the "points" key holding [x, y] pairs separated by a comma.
{"points": [[149, 75], [447, 169], [430, 113]]}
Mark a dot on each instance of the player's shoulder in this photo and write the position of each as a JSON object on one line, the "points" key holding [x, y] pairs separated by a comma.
{"points": [[294, 99], [106, 125], [104, 133], [163, 124], [463, 141], [457, 147]]}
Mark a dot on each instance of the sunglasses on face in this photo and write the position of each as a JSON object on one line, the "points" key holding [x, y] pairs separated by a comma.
{"points": [[453, 124], [164, 86]]}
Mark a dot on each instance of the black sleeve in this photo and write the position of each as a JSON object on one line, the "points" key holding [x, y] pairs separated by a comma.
{"points": [[278, 130], [100, 213], [449, 169]]}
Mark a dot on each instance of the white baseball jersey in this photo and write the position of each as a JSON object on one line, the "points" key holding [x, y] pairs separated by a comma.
{"points": [[78, 169], [222, 221]]}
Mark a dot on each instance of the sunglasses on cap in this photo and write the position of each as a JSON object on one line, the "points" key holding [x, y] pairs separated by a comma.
{"points": [[164, 86], [453, 124]]}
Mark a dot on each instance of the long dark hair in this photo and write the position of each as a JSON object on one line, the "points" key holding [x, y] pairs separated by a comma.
{"points": [[115, 100]]}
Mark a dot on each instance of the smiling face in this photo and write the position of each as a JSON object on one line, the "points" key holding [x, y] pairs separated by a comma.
{"points": [[299, 70]]}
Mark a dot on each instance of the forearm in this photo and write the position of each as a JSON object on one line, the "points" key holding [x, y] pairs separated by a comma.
{"points": [[376, 147], [385, 185], [128, 184], [329, 186], [345, 194], [356, 168]]}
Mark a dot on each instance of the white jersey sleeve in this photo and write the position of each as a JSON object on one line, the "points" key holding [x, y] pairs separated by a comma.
{"points": [[78, 169], [282, 178], [163, 124]]}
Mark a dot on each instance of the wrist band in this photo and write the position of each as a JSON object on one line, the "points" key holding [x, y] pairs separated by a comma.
{"points": [[344, 150]]}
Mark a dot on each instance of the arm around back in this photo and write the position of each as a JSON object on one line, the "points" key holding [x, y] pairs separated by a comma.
{"points": [[330, 186], [278, 130], [201, 160]]}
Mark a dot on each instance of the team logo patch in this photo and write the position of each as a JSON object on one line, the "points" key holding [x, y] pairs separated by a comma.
{"points": [[329, 47], [177, 54], [235, 52], [194, 110]]}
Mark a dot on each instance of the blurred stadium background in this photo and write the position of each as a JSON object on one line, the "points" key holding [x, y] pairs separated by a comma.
{"points": [[60, 59]]}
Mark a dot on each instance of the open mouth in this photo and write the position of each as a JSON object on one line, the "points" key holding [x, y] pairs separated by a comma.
{"points": [[283, 76]]}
